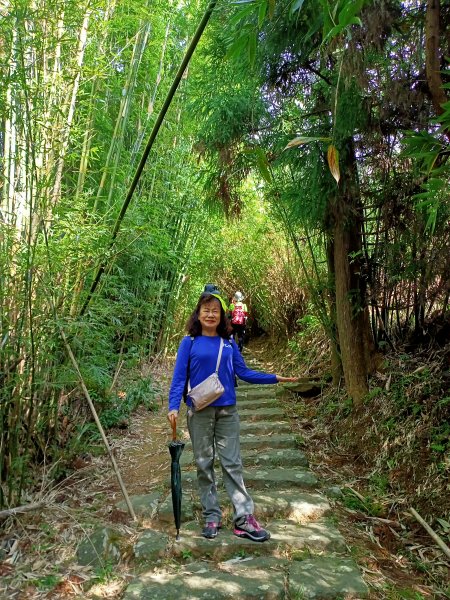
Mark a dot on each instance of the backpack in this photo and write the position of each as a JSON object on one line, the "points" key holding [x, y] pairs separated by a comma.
{"points": [[238, 314]]}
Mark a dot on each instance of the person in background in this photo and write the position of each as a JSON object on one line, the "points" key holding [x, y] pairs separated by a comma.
{"points": [[211, 288], [238, 314], [215, 429]]}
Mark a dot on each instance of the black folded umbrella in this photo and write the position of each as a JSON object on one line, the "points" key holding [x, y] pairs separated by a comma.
{"points": [[176, 448]]}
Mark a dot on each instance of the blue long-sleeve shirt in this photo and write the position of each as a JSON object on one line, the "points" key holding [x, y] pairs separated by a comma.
{"points": [[204, 351]]}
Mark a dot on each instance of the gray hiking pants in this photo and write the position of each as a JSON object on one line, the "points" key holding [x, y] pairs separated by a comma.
{"points": [[216, 429]]}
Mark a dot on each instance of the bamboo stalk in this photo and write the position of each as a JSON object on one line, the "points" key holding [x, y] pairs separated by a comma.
{"points": [[154, 133], [82, 41], [112, 158], [97, 422], [124, 113], [357, 494], [439, 541]]}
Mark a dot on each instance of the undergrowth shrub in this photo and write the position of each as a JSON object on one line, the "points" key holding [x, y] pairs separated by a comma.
{"points": [[118, 410], [401, 433], [310, 345]]}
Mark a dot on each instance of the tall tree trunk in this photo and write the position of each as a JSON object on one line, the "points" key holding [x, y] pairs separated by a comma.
{"points": [[335, 353], [433, 61], [433, 58], [351, 310]]}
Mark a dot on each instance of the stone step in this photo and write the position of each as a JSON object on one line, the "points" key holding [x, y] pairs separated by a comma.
{"points": [[326, 577], [190, 505], [281, 440], [279, 478], [265, 428], [306, 388], [243, 385], [259, 413], [258, 429], [257, 403], [253, 578], [266, 391], [316, 537], [272, 457], [297, 506], [286, 457]]}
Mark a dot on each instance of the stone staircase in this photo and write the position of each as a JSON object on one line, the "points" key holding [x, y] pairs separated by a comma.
{"points": [[306, 556]]}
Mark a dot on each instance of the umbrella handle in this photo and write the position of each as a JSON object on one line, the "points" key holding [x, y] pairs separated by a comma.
{"points": [[173, 422]]}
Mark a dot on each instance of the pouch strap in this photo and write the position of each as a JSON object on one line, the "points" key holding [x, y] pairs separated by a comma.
{"points": [[187, 383], [220, 355]]}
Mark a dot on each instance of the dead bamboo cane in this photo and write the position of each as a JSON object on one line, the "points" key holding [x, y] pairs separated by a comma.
{"points": [[20, 509], [99, 425], [439, 541], [154, 133]]}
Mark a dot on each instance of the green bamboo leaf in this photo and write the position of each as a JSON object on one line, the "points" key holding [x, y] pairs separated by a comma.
{"points": [[300, 140], [241, 15], [252, 47], [237, 47], [334, 12], [432, 217], [262, 12], [314, 27], [327, 20], [296, 6], [263, 165], [444, 524], [271, 8], [349, 11], [355, 21], [333, 162], [333, 32], [346, 18]]}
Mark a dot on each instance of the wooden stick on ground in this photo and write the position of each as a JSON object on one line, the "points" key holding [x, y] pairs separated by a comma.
{"points": [[439, 541], [20, 509], [357, 494], [99, 425]]}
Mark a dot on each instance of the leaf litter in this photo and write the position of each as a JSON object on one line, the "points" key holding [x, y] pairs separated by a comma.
{"points": [[38, 549]]}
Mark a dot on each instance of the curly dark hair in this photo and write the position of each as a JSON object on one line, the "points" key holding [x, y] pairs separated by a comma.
{"points": [[193, 326]]}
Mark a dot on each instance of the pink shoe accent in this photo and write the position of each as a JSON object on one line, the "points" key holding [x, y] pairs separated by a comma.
{"points": [[250, 528], [251, 519]]}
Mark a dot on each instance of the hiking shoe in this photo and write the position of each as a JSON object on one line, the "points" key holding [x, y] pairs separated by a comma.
{"points": [[248, 527], [210, 530]]}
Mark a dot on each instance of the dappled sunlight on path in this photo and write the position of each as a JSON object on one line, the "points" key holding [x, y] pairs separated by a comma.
{"points": [[306, 555]]}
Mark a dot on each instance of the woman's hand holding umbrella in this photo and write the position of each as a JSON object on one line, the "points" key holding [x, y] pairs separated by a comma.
{"points": [[172, 418]]}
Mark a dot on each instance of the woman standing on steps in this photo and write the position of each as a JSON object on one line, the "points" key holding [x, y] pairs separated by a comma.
{"points": [[216, 427]]}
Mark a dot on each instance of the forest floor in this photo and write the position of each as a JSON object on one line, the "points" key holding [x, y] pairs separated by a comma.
{"points": [[383, 474], [38, 550]]}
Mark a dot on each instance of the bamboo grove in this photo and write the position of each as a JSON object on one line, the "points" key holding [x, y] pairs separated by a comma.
{"points": [[304, 159], [83, 83]]}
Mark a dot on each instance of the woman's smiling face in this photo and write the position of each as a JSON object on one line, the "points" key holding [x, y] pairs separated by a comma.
{"points": [[209, 316]]}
